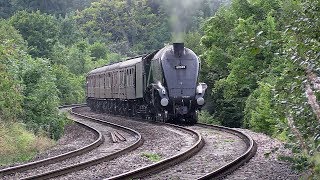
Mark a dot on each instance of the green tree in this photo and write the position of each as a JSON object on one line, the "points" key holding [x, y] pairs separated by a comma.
{"points": [[98, 50], [6, 9], [250, 28], [70, 86], [270, 74], [127, 24], [12, 54], [27, 87], [76, 58], [41, 31], [69, 31], [54, 7], [41, 99]]}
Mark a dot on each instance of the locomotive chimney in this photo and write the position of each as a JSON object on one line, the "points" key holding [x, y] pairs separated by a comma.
{"points": [[178, 49]]}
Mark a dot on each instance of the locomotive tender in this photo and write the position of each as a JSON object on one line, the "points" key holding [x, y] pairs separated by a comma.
{"points": [[162, 85]]}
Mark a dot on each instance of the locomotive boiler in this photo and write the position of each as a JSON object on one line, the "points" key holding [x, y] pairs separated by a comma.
{"points": [[162, 85]]}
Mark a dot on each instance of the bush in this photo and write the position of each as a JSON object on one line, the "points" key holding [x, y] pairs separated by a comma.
{"points": [[259, 112], [70, 86], [12, 53], [206, 118], [41, 99]]}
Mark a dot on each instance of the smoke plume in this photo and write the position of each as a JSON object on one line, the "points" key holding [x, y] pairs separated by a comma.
{"points": [[180, 12]]}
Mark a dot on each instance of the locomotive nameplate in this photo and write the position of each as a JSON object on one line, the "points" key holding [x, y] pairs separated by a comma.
{"points": [[181, 67]]}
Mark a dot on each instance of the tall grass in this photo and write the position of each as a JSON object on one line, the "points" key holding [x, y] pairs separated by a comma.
{"points": [[19, 145]]}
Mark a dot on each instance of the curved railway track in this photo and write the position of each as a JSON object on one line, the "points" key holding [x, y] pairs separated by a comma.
{"points": [[146, 170], [219, 172], [226, 149], [251, 149], [99, 140], [79, 166], [179, 157]]}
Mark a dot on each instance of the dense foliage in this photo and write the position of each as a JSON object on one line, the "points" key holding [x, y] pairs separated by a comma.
{"points": [[21, 102], [262, 63], [260, 59], [28, 89], [54, 7], [47, 47]]}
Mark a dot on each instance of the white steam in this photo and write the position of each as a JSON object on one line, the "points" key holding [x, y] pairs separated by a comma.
{"points": [[184, 13], [180, 11]]}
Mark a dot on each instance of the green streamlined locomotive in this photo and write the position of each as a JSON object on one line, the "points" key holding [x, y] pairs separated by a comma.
{"points": [[162, 85]]}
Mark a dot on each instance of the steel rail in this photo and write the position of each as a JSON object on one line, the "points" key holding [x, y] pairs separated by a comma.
{"points": [[237, 162], [135, 173], [217, 174], [80, 166], [147, 170], [99, 139]]}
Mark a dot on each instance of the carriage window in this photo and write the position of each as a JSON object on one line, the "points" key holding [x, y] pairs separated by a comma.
{"points": [[128, 78], [108, 77], [123, 78], [114, 79], [104, 80], [132, 78], [120, 78], [110, 80]]}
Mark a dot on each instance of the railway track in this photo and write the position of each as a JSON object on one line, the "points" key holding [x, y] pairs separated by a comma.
{"points": [[145, 171], [251, 149], [226, 149], [182, 154], [248, 152], [10, 173], [99, 140]]}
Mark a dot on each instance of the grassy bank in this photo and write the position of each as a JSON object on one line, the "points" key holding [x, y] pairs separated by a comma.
{"points": [[19, 145]]}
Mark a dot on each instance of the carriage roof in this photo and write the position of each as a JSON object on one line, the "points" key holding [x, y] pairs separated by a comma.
{"points": [[120, 65]]}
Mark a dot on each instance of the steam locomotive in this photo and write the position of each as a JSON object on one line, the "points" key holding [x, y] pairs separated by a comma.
{"points": [[162, 86]]}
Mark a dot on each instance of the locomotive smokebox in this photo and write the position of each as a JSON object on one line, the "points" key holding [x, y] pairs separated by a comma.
{"points": [[178, 49]]}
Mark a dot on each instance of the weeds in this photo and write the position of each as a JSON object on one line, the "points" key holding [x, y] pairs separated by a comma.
{"points": [[152, 157], [19, 145]]}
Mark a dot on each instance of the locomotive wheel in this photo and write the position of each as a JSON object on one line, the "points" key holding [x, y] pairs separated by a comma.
{"points": [[130, 110], [126, 109], [108, 107], [115, 107], [165, 117], [194, 117]]}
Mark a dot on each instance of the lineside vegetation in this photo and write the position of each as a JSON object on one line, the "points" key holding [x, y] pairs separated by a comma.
{"points": [[260, 59]]}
